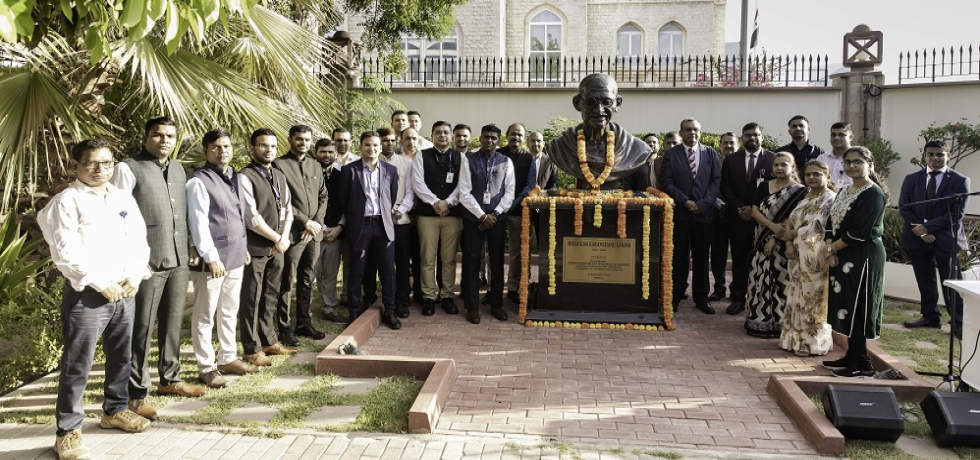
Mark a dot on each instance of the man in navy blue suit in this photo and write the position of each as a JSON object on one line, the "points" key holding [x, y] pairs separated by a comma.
{"points": [[691, 175], [366, 195], [928, 233]]}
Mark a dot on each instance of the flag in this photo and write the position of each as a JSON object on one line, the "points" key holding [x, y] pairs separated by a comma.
{"points": [[755, 31]]}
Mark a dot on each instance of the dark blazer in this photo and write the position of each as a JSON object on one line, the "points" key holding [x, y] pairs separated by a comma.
{"points": [[547, 172], [675, 179], [351, 198], [737, 188], [309, 191], [935, 215]]}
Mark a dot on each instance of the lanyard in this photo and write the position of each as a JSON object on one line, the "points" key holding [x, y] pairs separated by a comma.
{"points": [[273, 182]]}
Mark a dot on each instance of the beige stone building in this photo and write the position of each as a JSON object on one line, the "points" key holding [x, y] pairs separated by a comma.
{"points": [[572, 28]]}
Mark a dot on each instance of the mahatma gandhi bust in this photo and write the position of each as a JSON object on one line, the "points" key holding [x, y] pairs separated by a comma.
{"points": [[597, 100]]}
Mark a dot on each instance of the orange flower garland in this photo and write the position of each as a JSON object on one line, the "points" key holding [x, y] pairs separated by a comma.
{"points": [[621, 218], [645, 272], [525, 257], [666, 256], [578, 217], [552, 243], [583, 160]]}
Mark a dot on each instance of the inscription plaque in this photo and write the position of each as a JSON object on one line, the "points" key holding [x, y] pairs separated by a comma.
{"points": [[599, 260]]}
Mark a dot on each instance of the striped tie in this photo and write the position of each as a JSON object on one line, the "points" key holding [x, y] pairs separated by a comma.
{"points": [[690, 160]]}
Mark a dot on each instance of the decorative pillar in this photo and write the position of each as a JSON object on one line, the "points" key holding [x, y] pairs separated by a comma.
{"points": [[861, 84]]}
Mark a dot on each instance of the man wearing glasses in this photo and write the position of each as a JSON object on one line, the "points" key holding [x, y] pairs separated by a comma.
{"points": [[159, 187], [98, 242]]}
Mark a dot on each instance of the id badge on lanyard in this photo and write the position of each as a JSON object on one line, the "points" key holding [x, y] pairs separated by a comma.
{"points": [[486, 197], [449, 177]]}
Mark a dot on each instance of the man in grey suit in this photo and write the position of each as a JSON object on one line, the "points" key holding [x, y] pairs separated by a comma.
{"points": [[159, 187], [691, 175], [304, 176]]}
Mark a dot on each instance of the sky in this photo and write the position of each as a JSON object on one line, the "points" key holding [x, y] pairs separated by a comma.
{"points": [[818, 26]]}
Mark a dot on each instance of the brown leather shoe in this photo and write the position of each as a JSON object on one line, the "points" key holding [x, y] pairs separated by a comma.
{"points": [[181, 389], [278, 349], [237, 367], [143, 409], [214, 379], [258, 359]]}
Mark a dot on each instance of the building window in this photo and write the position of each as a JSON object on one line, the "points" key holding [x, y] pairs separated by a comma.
{"points": [[432, 61], [671, 40], [629, 41], [545, 46]]}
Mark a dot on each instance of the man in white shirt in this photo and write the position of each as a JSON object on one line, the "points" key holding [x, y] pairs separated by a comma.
{"points": [[415, 122], [410, 148], [486, 191], [840, 140], [97, 238], [217, 226], [403, 272]]}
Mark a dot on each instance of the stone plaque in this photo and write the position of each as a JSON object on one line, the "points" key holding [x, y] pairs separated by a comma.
{"points": [[599, 260]]}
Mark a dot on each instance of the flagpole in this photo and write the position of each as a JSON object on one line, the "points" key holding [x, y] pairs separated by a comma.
{"points": [[743, 45]]}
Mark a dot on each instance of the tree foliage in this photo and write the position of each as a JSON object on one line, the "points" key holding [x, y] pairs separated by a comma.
{"points": [[962, 138]]}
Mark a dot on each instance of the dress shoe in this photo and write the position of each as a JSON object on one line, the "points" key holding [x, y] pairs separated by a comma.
{"points": [[473, 316], [213, 379], [514, 296], [717, 295], [486, 299], [705, 307], [307, 330], [449, 306], [391, 320], [499, 313], [181, 389], [278, 349], [237, 367], [736, 308], [258, 359], [334, 317], [429, 307], [288, 339], [401, 311], [923, 322], [837, 364], [143, 409]]}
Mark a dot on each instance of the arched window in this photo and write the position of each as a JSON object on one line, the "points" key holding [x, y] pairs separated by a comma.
{"points": [[629, 41], [545, 46], [671, 42], [432, 60]]}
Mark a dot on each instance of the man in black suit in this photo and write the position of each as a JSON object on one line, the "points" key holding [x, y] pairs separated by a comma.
{"points": [[366, 195], [741, 174], [927, 233], [719, 228], [691, 175]]}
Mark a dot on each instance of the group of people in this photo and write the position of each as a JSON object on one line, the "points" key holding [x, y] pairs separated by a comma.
{"points": [[804, 227]]}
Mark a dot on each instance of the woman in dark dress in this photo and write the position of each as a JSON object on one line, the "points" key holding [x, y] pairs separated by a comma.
{"points": [[857, 263]]}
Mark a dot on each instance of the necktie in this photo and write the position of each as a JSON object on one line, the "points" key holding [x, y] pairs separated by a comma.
{"points": [[931, 186], [690, 160], [751, 171]]}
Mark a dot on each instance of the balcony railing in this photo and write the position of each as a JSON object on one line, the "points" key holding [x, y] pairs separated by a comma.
{"points": [[638, 71], [943, 65]]}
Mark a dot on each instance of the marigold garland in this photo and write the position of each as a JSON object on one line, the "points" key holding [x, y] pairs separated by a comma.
{"points": [[666, 256], [579, 209], [597, 215], [613, 326], [645, 272], [583, 160], [525, 258], [621, 218], [552, 243]]}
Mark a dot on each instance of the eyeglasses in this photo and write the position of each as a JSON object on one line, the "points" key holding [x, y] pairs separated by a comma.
{"points": [[97, 165], [592, 102], [855, 162]]}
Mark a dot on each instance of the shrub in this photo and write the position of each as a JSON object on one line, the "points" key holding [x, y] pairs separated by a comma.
{"points": [[963, 140], [881, 150]]}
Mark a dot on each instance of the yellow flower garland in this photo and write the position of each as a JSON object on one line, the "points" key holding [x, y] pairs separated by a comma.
{"points": [[552, 243], [597, 215], [645, 273], [525, 258], [583, 159], [621, 219], [578, 217]]}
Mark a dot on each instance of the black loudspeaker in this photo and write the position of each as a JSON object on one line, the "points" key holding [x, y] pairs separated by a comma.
{"points": [[954, 418], [864, 412]]}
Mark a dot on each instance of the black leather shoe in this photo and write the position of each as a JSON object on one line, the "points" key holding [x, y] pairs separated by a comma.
{"points": [[485, 300], [429, 307], [449, 306], [288, 339], [514, 296], [736, 308], [309, 331], [923, 322], [717, 295], [705, 307], [402, 311], [473, 316], [334, 317], [391, 320], [499, 313]]}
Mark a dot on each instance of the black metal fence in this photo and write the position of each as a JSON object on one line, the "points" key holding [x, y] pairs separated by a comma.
{"points": [[638, 71], [943, 65]]}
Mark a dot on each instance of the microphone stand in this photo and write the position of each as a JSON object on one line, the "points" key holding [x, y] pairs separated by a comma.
{"points": [[953, 210]]}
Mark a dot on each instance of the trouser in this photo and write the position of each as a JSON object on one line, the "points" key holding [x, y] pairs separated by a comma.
{"points": [[403, 270], [416, 260], [439, 235], [740, 235], [719, 253], [473, 240], [691, 240], [331, 255], [161, 297], [86, 316], [216, 301], [260, 290], [514, 250], [299, 268], [925, 264], [372, 242]]}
